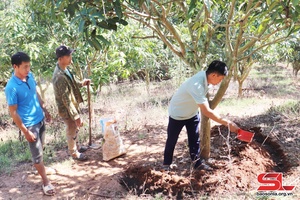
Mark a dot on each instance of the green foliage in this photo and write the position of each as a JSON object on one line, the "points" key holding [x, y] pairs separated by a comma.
{"points": [[195, 31], [19, 33], [89, 17], [129, 57], [288, 50], [4, 4], [12, 153], [294, 43]]}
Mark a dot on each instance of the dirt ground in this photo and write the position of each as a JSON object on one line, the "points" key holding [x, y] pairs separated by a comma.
{"points": [[139, 171]]}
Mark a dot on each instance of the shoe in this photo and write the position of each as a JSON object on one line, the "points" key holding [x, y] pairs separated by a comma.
{"points": [[202, 165], [173, 166], [205, 167], [49, 190], [165, 167], [82, 149], [81, 157], [169, 167]]}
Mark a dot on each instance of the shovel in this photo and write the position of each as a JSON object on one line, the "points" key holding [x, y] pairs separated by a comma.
{"points": [[92, 146], [245, 136]]}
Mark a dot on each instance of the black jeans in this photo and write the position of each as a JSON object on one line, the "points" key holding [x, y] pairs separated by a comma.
{"points": [[174, 129]]}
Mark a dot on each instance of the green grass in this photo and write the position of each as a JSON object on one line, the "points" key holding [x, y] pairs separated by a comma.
{"points": [[290, 108], [12, 153]]}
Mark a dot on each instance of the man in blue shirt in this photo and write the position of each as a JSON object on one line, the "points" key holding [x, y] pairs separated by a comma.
{"points": [[184, 111], [27, 110]]}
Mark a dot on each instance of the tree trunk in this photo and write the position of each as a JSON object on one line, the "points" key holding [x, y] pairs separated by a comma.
{"points": [[240, 89], [205, 137], [147, 71], [42, 90]]}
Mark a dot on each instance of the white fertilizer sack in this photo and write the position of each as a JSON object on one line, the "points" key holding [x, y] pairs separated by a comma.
{"points": [[113, 145]]}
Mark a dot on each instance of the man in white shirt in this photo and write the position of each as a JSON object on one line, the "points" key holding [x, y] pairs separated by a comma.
{"points": [[184, 111]]}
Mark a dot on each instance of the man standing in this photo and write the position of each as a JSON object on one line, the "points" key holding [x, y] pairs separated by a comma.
{"points": [[184, 111], [27, 110], [68, 97]]}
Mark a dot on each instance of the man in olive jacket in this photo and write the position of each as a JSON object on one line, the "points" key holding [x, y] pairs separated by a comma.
{"points": [[68, 97]]}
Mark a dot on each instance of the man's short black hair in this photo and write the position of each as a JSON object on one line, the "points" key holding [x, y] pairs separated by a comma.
{"points": [[19, 57], [217, 66]]}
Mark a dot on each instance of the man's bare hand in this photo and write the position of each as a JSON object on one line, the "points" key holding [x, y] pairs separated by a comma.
{"points": [[79, 122], [233, 127], [30, 137], [86, 82]]}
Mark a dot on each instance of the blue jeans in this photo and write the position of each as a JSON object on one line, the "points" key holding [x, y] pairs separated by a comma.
{"points": [[174, 129]]}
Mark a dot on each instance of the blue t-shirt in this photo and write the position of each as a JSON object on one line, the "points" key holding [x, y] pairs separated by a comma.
{"points": [[68, 73], [23, 94]]}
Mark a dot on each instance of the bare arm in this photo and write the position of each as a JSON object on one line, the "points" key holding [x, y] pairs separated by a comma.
{"points": [[28, 134], [208, 112]]}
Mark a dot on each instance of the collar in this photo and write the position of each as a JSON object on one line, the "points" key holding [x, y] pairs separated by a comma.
{"points": [[60, 69], [19, 81]]}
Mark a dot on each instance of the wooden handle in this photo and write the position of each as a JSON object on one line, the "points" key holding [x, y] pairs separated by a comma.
{"points": [[90, 114]]}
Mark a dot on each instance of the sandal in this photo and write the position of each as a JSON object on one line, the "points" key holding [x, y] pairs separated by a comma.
{"points": [[49, 189], [82, 157]]}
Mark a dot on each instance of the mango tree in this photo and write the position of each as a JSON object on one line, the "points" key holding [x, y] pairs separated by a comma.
{"points": [[18, 33], [239, 29]]}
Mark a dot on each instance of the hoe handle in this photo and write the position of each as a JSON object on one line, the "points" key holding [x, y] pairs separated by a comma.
{"points": [[90, 114]]}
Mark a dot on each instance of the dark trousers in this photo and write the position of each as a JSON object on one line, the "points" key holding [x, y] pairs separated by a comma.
{"points": [[174, 129]]}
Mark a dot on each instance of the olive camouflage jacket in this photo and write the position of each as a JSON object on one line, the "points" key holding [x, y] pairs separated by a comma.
{"points": [[67, 94]]}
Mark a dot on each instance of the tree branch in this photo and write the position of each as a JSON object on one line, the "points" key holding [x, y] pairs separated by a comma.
{"points": [[228, 43], [145, 37], [160, 34], [262, 46], [255, 39], [169, 26], [132, 11]]}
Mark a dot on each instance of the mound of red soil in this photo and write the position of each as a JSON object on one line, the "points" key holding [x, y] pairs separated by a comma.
{"points": [[236, 167]]}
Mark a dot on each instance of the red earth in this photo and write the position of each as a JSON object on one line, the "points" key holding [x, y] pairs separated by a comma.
{"points": [[235, 171]]}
